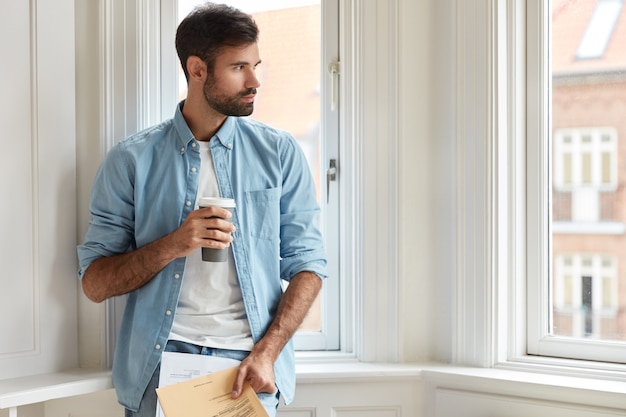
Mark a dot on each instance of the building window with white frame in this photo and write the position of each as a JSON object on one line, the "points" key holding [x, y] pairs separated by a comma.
{"points": [[585, 295], [577, 298], [585, 174], [585, 158]]}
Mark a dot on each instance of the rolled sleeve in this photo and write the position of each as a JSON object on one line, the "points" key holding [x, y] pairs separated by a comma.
{"points": [[301, 241], [111, 226], [310, 261]]}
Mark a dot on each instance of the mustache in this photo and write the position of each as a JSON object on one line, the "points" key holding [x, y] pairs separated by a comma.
{"points": [[248, 92]]}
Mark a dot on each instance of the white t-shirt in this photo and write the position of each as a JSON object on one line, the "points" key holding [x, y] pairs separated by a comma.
{"points": [[210, 308]]}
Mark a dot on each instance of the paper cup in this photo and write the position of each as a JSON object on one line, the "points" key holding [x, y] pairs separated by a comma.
{"points": [[211, 254]]}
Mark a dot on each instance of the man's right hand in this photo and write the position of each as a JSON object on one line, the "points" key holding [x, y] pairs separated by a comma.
{"points": [[203, 228], [120, 274]]}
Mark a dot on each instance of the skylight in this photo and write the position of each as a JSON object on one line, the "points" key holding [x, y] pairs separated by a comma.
{"points": [[599, 29]]}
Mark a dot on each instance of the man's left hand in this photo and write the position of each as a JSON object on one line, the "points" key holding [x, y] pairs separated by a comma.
{"points": [[258, 372]]}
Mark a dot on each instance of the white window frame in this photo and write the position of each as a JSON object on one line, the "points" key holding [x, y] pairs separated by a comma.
{"points": [[540, 341], [502, 96], [328, 338]]}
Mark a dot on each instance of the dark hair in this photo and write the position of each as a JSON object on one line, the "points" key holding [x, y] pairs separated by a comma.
{"points": [[209, 28]]}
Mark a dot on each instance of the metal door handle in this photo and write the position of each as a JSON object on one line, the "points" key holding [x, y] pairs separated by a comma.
{"points": [[331, 175]]}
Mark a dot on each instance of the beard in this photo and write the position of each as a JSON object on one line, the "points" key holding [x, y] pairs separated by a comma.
{"points": [[228, 105]]}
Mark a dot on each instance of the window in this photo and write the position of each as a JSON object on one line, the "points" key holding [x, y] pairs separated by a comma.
{"points": [[138, 81], [584, 176], [585, 158], [296, 96], [585, 296], [599, 28], [576, 304]]}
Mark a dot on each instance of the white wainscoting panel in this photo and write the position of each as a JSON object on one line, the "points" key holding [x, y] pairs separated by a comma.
{"points": [[297, 412], [90, 414], [16, 171], [386, 397], [369, 412], [467, 404], [100, 404], [366, 390], [33, 410], [38, 187]]}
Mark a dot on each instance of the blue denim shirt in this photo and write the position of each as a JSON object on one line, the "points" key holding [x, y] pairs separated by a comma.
{"points": [[144, 190]]}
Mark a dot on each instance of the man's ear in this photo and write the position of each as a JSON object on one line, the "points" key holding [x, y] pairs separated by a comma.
{"points": [[196, 68]]}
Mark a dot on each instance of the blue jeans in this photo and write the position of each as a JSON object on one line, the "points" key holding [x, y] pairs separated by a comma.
{"points": [[147, 408]]}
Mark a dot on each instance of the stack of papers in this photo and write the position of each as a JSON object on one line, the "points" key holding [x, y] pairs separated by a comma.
{"points": [[201, 386]]}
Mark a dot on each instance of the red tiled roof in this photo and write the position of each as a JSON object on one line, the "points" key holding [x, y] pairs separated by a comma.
{"points": [[569, 21]]}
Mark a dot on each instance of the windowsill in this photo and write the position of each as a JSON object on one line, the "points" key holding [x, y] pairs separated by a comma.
{"points": [[519, 383], [522, 382], [17, 392], [323, 372], [570, 389], [316, 367]]}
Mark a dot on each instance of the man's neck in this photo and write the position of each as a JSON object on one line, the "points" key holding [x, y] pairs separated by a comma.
{"points": [[203, 121]]}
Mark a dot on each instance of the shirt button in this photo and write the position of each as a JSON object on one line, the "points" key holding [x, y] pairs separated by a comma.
{"points": [[193, 145], [168, 313], [177, 276], [193, 169], [229, 146], [188, 203], [158, 347], [182, 150]]}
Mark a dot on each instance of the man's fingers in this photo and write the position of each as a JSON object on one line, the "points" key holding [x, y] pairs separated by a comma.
{"points": [[238, 384], [261, 385]]}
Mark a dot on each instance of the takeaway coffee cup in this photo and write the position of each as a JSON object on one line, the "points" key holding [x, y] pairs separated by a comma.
{"points": [[210, 254]]}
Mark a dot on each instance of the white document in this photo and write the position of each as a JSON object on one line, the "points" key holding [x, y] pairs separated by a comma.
{"points": [[178, 367]]}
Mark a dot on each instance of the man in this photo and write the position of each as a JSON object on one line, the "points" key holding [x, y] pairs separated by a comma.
{"points": [[145, 233]]}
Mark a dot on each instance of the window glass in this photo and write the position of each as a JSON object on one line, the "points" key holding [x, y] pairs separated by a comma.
{"points": [[588, 197]]}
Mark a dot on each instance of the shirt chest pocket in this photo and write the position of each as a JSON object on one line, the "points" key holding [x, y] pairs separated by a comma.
{"points": [[263, 213]]}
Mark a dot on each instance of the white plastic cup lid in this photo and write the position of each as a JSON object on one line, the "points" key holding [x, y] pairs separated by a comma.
{"points": [[216, 202]]}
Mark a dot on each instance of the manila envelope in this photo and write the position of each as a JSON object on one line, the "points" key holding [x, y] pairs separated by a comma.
{"points": [[209, 396]]}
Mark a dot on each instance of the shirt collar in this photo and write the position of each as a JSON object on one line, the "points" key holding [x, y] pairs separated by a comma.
{"points": [[224, 135], [184, 133]]}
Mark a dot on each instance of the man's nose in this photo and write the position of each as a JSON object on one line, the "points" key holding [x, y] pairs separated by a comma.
{"points": [[252, 81]]}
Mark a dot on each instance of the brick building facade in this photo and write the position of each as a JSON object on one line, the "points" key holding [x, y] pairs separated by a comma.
{"points": [[589, 169]]}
